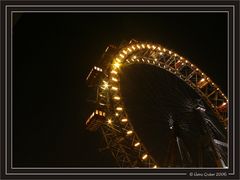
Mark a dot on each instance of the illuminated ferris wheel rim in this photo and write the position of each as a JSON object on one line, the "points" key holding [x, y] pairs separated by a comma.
{"points": [[121, 59], [174, 64]]}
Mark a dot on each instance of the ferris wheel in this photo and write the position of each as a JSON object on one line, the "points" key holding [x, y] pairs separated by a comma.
{"points": [[112, 120]]}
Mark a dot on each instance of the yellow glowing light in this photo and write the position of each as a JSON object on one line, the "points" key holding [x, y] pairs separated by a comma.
{"points": [[137, 144], [203, 79], [148, 46], [155, 166], [197, 69], [223, 104], [105, 85], [170, 52], [175, 54], [114, 79], [121, 55], [133, 47], [119, 108], [114, 72], [118, 60], [139, 47], [116, 114], [109, 121], [116, 97], [164, 49], [129, 132], [154, 47], [125, 52], [124, 120], [144, 156], [186, 61], [129, 49], [134, 57], [143, 46], [181, 58], [114, 88], [116, 64], [161, 53], [159, 48]]}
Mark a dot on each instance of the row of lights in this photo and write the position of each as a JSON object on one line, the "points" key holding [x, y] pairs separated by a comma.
{"points": [[116, 65], [129, 132]]}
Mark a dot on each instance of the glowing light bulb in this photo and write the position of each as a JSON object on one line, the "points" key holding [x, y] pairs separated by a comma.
{"points": [[129, 132], [119, 108], [115, 79], [124, 120], [118, 60], [144, 156], [137, 144], [105, 85], [114, 88], [114, 72], [203, 79], [129, 49], [116, 64], [116, 97]]}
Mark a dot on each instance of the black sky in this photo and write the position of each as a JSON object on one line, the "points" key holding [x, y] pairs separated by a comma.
{"points": [[52, 55]]}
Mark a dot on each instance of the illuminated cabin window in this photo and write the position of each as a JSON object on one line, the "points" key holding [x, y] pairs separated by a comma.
{"points": [[100, 113], [96, 111]]}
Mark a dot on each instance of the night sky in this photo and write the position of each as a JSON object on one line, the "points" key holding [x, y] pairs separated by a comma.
{"points": [[52, 56]]}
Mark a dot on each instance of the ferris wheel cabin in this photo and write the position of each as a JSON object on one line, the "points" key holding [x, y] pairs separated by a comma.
{"points": [[95, 120]]}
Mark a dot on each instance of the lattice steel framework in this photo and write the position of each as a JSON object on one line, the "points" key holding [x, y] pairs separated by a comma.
{"points": [[118, 132]]}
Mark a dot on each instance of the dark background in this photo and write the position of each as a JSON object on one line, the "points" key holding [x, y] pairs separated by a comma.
{"points": [[52, 55]]}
